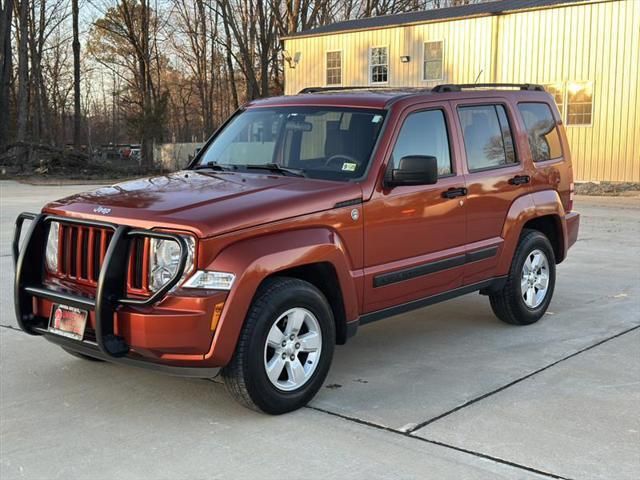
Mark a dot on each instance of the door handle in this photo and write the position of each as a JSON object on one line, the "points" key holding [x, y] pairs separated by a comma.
{"points": [[454, 192], [520, 180]]}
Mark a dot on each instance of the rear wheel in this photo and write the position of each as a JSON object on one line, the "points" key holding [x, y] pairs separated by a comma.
{"points": [[530, 283], [285, 347]]}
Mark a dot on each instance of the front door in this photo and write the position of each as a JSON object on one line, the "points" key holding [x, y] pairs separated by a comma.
{"points": [[495, 176], [415, 235]]}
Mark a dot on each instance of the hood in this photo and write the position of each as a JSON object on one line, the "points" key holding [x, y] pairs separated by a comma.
{"points": [[206, 203]]}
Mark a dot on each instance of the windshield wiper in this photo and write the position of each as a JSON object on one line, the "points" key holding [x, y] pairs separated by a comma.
{"points": [[216, 166], [274, 167]]}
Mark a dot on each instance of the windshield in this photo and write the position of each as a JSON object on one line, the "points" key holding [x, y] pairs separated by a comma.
{"points": [[318, 142]]}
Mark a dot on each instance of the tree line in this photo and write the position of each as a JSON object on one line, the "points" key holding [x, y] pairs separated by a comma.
{"points": [[78, 74]]}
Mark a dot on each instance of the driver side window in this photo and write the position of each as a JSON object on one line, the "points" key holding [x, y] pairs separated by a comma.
{"points": [[424, 133]]}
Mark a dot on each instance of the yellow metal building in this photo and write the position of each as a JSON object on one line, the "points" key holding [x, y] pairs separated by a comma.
{"points": [[586, 53]]}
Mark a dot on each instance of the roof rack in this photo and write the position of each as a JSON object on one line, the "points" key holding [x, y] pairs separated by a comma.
{"points": [[457, 87], [337, 89], [444, 88]]}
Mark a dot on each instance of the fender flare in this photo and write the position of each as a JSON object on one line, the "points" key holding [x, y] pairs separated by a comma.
{"points": [[254, 259], [533, 205]]}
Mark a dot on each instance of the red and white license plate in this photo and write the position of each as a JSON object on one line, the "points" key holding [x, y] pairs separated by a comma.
{"points": [[68, 321]]}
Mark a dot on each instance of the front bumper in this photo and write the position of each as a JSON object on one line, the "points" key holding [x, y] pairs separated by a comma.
{"points": [[127, 330]]}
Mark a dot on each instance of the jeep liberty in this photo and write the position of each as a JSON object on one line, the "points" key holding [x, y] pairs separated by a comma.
{"points": [[301, 219]]}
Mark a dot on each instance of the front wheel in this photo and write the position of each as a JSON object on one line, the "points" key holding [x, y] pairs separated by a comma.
{"points": [[530, 283], [285, 347]]}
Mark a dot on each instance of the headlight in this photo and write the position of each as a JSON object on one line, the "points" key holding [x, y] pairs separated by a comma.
{"points": [[211, 280], [165, 256], [51, 252]]}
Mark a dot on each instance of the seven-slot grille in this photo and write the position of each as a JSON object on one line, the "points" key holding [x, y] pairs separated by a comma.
{"points": [[81, 252]]}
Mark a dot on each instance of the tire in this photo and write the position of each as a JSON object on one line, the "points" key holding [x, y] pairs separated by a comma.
{"points": [[281, 305], [520, 302], [82, 356]]}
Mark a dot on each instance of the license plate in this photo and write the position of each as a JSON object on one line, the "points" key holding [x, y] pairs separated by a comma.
{"points": [[68, 321]]}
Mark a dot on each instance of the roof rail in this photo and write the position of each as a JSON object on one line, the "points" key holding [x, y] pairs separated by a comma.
{"points": [[457, 87], [337, 89]]}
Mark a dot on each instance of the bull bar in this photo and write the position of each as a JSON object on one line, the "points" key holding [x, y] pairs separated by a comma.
{"points": [[111, 291]]}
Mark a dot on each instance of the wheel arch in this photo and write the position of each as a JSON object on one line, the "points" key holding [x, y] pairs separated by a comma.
{"points": [[551, 227], [542, 211], [324, 277], [316, 255]]}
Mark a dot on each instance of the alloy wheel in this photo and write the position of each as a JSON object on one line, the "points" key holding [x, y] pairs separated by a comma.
{"points": [[292, 349], [534, 282]]}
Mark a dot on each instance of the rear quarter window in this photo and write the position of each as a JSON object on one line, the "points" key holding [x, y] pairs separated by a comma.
{"points": [[541, 130]]}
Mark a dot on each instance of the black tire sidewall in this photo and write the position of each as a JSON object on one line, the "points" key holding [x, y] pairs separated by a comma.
{"points": [[532, 241], [263, 393]]}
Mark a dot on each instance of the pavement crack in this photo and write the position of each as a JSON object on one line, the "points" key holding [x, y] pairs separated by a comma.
{"points": [[518, 380], [440, 444]]}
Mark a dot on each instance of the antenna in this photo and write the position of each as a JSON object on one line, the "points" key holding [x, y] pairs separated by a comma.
{"points": [[478, 77]]}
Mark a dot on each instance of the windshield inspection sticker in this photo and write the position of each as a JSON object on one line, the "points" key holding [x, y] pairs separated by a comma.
{"points": [[376, 119], [349, 167]]}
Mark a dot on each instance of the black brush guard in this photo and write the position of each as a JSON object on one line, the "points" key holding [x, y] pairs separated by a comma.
{"points": [[111, 291]]}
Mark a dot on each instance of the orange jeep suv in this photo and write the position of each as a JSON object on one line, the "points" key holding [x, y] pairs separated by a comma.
{"points": [[303, 218]]}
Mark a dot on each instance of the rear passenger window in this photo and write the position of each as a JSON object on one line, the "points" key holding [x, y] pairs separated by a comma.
{"points": [[487, 136], [424, 133], [541, 128]]}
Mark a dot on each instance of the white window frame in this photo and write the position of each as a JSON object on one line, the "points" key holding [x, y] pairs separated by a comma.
{"points": [[566, 103], [564, 95], [370, 72], [422, 60], [326, 68]]}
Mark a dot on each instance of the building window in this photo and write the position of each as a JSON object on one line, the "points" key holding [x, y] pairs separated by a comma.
{"points": [[432, 61], [487, 136], [334, 68], [556, 90], [379, 65], [541, 129], [579, 103]]}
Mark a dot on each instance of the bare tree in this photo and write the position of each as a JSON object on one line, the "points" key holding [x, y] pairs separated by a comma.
{"points": [[122, 38], [6, 67], [144, 74], [229, 64], [23, 77], [76, 74], [197, 47]]}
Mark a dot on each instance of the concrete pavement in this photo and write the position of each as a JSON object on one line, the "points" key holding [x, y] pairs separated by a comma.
{"points": [[444, 392]]}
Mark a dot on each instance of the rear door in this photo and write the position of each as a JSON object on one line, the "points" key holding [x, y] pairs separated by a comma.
{"points": [[495, 176]]}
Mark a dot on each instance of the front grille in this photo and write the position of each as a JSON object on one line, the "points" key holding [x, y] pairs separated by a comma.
{"points": [[81, 252], [89, 334]]}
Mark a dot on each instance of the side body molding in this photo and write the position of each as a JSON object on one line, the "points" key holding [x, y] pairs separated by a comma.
{"points": [[254, 259]]}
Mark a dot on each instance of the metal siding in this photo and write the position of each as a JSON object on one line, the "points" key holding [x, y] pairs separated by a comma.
{"points": [[598, 42]]}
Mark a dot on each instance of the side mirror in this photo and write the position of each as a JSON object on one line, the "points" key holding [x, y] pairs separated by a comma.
{"points": [[414, 170]]}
